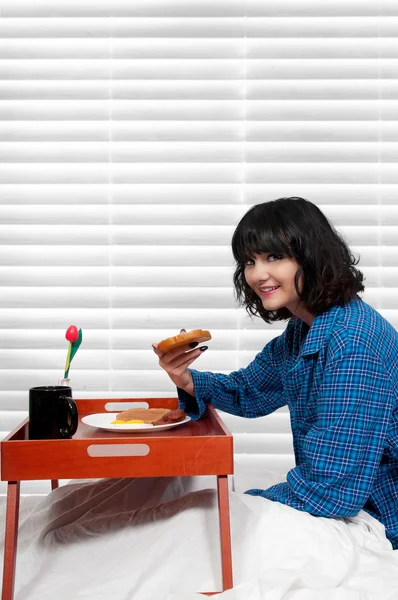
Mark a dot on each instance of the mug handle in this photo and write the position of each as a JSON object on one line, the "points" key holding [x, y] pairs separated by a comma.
{"points": [[71, 417]]}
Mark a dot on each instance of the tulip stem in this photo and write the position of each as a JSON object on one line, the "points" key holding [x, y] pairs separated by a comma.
{"points": [[67, 364]]}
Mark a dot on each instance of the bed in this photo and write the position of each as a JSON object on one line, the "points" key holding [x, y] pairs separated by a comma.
{"points": [[157, 538]]}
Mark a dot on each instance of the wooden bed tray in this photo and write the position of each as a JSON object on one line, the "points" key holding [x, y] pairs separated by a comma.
{"points": [[203, 447]]}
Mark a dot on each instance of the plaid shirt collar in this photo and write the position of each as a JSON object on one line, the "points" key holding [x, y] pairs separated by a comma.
{"points": [[320, 330]]}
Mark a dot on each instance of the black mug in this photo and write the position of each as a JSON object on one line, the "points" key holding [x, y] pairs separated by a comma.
{"points": [[52, 412]]}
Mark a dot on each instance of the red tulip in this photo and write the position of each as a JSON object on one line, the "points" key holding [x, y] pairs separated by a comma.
{"points": [[72, 333]]}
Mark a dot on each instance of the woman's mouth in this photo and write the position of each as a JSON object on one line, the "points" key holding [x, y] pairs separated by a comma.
{"points": [[267, 291]]}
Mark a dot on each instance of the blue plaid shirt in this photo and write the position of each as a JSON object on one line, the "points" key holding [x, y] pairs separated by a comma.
{"points": [[339, 379]]}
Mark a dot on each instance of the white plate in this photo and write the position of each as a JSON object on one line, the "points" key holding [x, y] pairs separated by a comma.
{"points": [[104, 420]]}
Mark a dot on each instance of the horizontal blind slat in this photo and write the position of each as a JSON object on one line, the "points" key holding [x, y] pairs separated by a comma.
{"points": [[272, 26], [216, 193], [209, 8], [196, 152]]}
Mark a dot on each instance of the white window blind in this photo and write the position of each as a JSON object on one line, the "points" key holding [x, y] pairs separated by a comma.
{"points": [[134, 135]]}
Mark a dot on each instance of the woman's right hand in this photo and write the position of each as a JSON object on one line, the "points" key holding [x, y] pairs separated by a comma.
{"points": [[176, 363]]}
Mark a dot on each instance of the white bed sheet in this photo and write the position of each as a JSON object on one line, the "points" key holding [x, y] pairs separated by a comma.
{"points": [[125, 539]]}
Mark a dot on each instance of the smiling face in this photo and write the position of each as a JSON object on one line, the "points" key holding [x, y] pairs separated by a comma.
{"points": [[271, 277]]}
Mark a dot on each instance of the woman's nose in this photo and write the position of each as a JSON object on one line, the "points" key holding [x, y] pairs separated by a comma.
{"points": [[260, 272]]}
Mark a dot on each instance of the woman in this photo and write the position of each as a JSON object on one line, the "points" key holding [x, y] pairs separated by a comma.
{"points": [[335, 366]]}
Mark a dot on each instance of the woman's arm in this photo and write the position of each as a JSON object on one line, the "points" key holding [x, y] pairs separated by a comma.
{"points": [[254, 391]]}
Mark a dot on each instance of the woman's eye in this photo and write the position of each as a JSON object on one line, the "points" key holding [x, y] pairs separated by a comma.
{"points": [[249, 262], [273, 257]]}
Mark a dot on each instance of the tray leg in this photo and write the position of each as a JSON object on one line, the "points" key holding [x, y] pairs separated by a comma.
{"points": [[225, 532], [54, 484], [225, 535], [11, 538]]}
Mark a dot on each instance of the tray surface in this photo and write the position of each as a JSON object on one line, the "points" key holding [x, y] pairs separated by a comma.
{"points": [[200, 447]]}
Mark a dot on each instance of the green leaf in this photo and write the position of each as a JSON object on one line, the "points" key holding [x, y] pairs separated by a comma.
{"points": [[75, 345]]}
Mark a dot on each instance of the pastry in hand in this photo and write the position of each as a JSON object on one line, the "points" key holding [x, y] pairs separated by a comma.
{"points": [[186, 337]]}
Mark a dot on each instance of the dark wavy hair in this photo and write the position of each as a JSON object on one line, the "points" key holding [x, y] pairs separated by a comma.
{"points": [[296, 228]]}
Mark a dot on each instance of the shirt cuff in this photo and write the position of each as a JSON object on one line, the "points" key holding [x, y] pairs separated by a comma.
{"points": [[277, 493], [195, 406], [280, 493]]}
